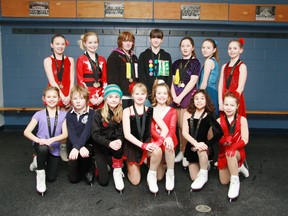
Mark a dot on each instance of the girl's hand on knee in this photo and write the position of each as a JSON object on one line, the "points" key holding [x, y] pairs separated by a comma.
{"points": [[169, 145], [115, 145]]}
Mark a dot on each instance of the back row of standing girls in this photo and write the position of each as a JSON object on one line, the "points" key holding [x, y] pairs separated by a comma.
{"points": [[124, 69]]}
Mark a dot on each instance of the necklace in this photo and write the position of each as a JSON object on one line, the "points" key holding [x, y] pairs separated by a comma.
{"points": [[49, 123], [95, 68], [59, 70]]}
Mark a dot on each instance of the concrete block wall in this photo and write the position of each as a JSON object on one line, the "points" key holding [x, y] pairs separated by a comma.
{"points": [[24, 76]]}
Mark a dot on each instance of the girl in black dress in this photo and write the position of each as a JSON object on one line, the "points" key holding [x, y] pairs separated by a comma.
{"points": [[137, 123], [197, 121]]}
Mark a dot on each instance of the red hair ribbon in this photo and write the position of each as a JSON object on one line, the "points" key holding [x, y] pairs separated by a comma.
{"points": [[241, 41]]}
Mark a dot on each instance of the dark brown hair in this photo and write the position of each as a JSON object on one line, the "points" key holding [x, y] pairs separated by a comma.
{"points": [[156, 33], [209, 105], [192, 42], [214, 44]]}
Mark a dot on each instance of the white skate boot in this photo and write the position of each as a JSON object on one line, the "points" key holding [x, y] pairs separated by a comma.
{"points": [[152, 181], [244, 171], [33, 165], [185, 163], [202, 178], [234, 187], [41, 182], [169, 180], [118, 179], [179, 157]]}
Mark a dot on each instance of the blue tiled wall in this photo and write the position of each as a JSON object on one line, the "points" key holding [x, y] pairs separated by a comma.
{"points": [[24, 76]]}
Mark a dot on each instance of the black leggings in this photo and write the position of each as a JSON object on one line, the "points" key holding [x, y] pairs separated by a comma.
{"points": [[46, 161], [101, 157], [77, 168]]}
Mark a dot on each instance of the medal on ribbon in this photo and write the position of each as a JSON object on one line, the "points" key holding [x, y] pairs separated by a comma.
{"points": [[95, 68], [129, 72]]}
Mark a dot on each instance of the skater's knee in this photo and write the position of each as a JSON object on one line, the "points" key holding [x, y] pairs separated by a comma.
{"points": [[224, 181], [134, 180]]}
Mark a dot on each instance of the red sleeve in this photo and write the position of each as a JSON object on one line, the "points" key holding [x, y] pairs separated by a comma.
{"points": [[79, 70], [172, 124], [155, 135]]}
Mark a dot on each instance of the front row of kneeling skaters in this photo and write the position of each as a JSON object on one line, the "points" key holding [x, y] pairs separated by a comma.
{"points": [[99, 133], [139, 121]]}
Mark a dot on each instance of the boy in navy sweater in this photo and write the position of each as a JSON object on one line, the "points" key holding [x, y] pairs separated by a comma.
{"points": [[79, 143]]}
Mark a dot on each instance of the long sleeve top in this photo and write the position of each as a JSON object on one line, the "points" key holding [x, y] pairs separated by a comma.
{"points": [[103, 132], [79, 128]]}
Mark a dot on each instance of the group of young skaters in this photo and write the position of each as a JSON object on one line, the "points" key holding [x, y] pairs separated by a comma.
{"points": [[130, 109]]}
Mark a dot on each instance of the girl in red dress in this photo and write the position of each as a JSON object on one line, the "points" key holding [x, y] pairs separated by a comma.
{"points": [[231, 146], [137, 132], [91, 69], [233, 75], [59, 70], [161, 98]]}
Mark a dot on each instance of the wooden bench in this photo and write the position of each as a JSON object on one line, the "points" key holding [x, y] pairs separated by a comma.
{"points": [[20, 109], [261, 112]]}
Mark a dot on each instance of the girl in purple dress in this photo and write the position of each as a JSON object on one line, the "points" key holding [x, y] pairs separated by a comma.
{"points": [[51, 130], [185, 77]]}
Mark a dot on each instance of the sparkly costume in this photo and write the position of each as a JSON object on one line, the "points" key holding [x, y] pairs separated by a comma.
{"points": [[192, 67], [206, 123], [233, 86], [133, 153], [236, 136], [85, 77], [65, 82], [212, 88], [170, 120]]}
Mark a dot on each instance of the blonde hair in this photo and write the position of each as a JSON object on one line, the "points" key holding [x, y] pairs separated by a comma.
{"points": [[81, 90], [141, 86], [159, 83], [51, 88], [117, 113], [84, 38]]}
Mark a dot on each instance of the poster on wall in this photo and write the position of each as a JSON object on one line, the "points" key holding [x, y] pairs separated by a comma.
{"points": [[113, 9], [38, 8], [190, 11], [265, 13]]}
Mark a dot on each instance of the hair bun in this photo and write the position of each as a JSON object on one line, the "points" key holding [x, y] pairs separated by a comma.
{"points": [[160, 81]]}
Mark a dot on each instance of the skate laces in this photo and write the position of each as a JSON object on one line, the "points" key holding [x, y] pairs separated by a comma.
{"points": [[234, 181]]}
